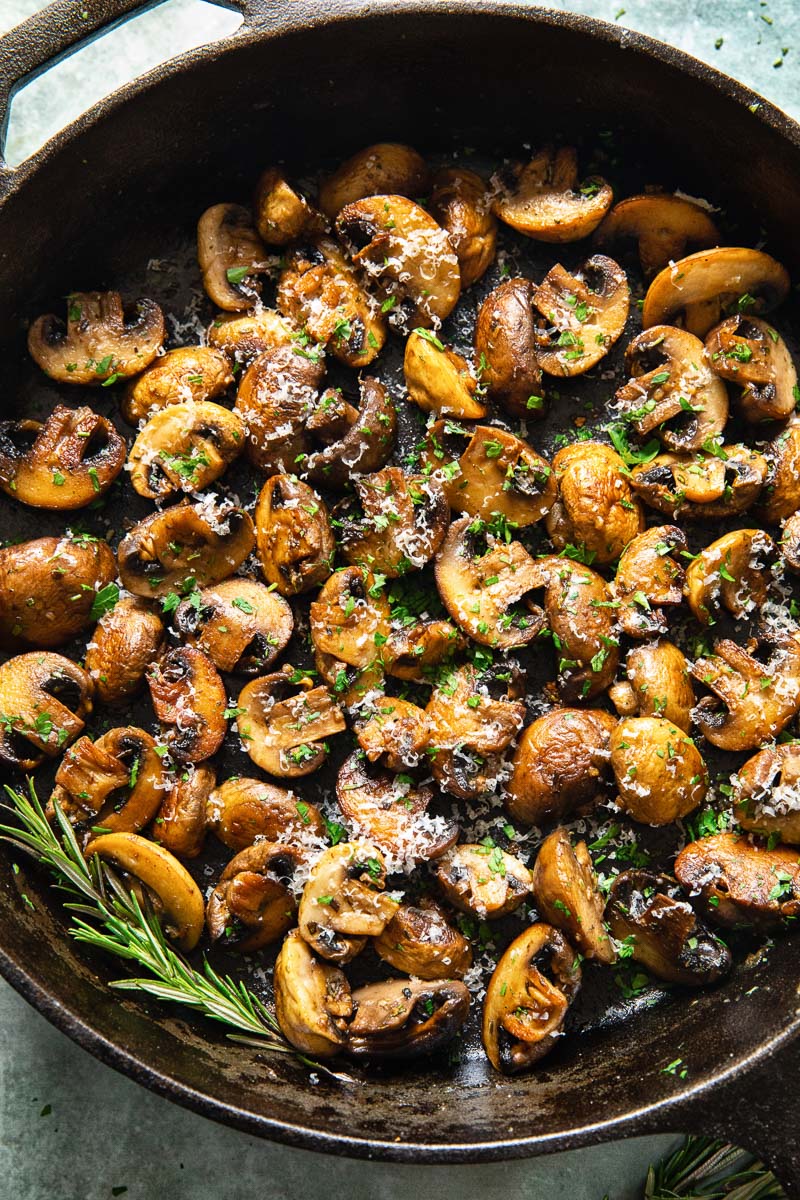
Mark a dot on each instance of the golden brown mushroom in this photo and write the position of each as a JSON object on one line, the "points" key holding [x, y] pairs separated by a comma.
{"points": [[189, 697], [68, 462], [559, 765], [364, 446], [781, 495], [582, 315], [544, 199], [404, 1018], [382, 169], [663, 226], [243, 336], [420, 941], [182, 819], [185, 448], [483, 880], [753, 699], [394, 732], [44, 699], [766, 793], [739, 883], [658, 684], [648, 578], [748, 352], [282, 214], [438, 379], [566, 894], [721, 481], [52, 588], [252, 904], [293, 535], [114, 784], [282, 732], [103, 339], [312, 999], [241, 625], [349, 627], [731, 573], [596, 508], [461, 204], [344, 901], [126, 640], [790, 542], [394, 524], [659, 771], [241, 811], [415, 652], [277, 395], [505, 348], [190, 373], [230, 254]]}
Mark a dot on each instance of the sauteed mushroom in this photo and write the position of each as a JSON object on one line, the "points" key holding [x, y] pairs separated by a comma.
{"points": [[527, 999], [765, 793], [559, 765], [241, 625], [277, 394], [189, 697], [364, 447], [723, 482], [394, 732], [420, 941], [649, 578], [460, 203], [344, 902], [282, 215], [790, 542], [566, 894], [505, 348], [781, 495], [51, 588], [284, 733], [243, 336], [483, 880], [44, 699], [731, 573], [659, 771], [662, 225], [242, 811], [580, 618], [252, 905], [595, 508], [658, 684], [126, 640], [293, 535], [753, 699], [116, 783], [739, 883], [545, 200], [312, 999], [396, 524], [185, 448], [415, 652], [383, 169], [438, 379], [582, 314], [349, 625], [750, 353], [190, 373], [103, 339], [68, 462], [230, 253], [404, 1018], [183, 817]]}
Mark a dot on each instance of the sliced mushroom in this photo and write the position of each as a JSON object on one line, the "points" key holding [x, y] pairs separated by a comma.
{"points": [[364, 447], [596, 508], [480, 590], [125, 642], [702, 285], [176, 896], [566, 894], [344, 903], [659, 771], [673, 390], [185, 448], [349, 626], [420, 941], [243, 336], [404, 1018], [505, 348], [241, 625], [242, 811], [312, 999], [731, 573], [281, 213], [739, 883], [50, 589], [723, 482], [416, 652], [790, 542], [68, 462], [766, 793], [460, 202], [559, 765], [382, 169], [395, 525], [44, 699], [293, 535], [277, 394], [438, 379], [252, 904], [322, 294], [282, 732], [648, 912], [183, 817], [751, 354], [483, 880], [391, 812], [406, 255], [544, 199], [582, 314], [527, 999], [781, 495], [188, 374], [648, 578], [204, 543], [752, 700], [189, 697], [662, 226], [658, 684], [116, 784], [103, 339], [394, 732], [231, 255], [580, 617]]}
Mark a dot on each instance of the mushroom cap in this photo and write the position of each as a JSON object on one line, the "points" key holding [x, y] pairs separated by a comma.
{"points": [[658, 684], [702, 283], [461, 203], [240, 624], [663, 225], [276, 396], [44, 699], [577, 604], [420, 941], [397, 523], [404, 1018], [230, 254], [284, 734], [312, 999], [438, 379], [505, 348], [183, 816], [252, 904], [343, 902], [126, 640], [659, 771], [726, 482], [545, 202], [765, 793], [243, 336], [749, 352], [240, 811], [596, 507], [582, 315], [49, 587], [483, 880], [382, 169], [68, 462], [648, 578], [102, 340], [781, 495], [365, 446], [731, 573], [189, 698], [282, 214], [738, 883], [185, 448], [190, 373], [559, 765], [752, 700], [566, 894], [293, 535]]}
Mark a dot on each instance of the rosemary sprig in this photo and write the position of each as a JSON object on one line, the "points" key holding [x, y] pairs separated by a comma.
{"points": [[706, 1169], [110, 917]]}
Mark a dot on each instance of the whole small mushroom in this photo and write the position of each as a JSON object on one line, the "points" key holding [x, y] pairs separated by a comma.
{"points": [[659, 771]]}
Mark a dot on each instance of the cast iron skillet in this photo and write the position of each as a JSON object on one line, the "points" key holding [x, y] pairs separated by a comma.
{"points": [[107, 194]]}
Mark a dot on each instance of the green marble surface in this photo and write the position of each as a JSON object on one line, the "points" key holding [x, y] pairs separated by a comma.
{"points": [[72, 1129]]}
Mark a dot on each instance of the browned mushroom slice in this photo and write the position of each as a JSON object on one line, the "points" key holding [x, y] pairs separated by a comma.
{"points": [[86, 777], [438, 379], [385, 168], [390, 811], [116, 783], [394, 732], [546, 201], [505, 348], [580, 616], [480, 589], [648, 579], [658, 684], [285, 733], [704, 284], [204, 542], [344, 903], [242, 811], [781, 495], [461, 204], [321, 292], [566, 894], [420, 941], [231, 255], [483, 880], [405, 1018], [739, 883], [472, 721], [753, 699], [189, 698], [68, 462], [395, 525], [662, 225], [751, 354], [659, 771], [731, 573], [559, 765], [527, 999], [673, 391], [293, 535], [190, 373], [312, 999], [596, 508], [582, 314], [125, 642], [252, 904], [241, 625], [723, 482], [51, 589], [102, 340], [183, 817], [649, 914], [277, 394], [790, 542], [366, 444], [282, 214], [349, 627], [44, 699], [415, 652], [406, 254], [243, 336], [766, 791], [185, 448]]}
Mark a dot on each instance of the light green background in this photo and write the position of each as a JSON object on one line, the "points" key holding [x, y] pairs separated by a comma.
{"points": [[72, 1129]]}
